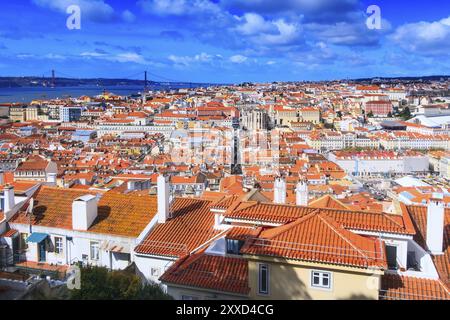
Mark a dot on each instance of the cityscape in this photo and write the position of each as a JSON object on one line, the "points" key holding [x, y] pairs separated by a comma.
{"points": [[284, 166]]}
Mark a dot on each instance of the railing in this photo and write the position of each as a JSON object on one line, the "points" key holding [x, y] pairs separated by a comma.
{"points": [[386, 295], [180, 248], [368, 256]]}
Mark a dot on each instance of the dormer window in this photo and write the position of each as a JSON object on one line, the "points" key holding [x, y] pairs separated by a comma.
{"points": [[234, 246]]}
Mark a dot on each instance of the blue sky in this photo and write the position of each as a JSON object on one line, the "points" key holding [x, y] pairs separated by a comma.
{"points": [[225, 40]]}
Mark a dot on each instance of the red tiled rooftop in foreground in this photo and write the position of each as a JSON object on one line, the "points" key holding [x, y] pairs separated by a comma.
{"points": [[42, 266], [118, 214], [350, 219], [191, 225], [316, 237], [219, 273], [396, 287]]}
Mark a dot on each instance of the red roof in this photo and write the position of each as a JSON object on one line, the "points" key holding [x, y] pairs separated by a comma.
{"points": [[396, 287], [317, 237], [191, 225], [220, 273]]}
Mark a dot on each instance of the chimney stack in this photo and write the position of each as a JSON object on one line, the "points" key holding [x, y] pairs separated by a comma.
{"points": [[279, 191], [84, 212], [301, 194], [51, 178], [435, 224], [8, 198], [163, 198]]}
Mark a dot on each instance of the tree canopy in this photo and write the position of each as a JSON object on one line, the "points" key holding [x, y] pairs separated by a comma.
{"points": [[98, 283]]}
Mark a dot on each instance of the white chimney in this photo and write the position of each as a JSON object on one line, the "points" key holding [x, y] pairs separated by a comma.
{"points": [[84, 212], [279, 191], [163, 198], [51, 178], [8, 197], [301, 194], [435, 224]]}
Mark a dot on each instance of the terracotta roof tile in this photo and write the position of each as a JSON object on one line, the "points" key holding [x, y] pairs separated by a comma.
{"points": [[122, 215], [219, 273], [317, 237], [190, 226], [396, 287]]}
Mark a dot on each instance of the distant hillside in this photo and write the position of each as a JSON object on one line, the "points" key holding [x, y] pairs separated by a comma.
{"points": [[14, 82]]}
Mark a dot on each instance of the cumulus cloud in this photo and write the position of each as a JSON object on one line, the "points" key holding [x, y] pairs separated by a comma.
{"points": [[268, 32], [427, 38], [238, 58], [128, 16], [124, 57], [94, 10], [186, 61], [178, 7]]}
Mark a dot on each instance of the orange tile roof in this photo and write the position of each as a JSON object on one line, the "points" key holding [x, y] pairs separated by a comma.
{"points": [[328, 201], [34, 162], [396, 287], [121, 215], [442, 262], [124, 214], [9, 233], [218, 273], [20, 186], [52, 208], [191, 225], [350, 219], [317, 237]]}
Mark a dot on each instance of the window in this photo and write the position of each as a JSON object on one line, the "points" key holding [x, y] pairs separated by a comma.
{"points": [[263, 283], [321, 279], [23, 241], [233, 246], [58, 245], [391, 256], [95, 254], [155, 272]]}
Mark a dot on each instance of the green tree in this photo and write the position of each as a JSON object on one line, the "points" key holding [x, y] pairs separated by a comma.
{"points": [[406, 114], [370, 114], [97, 283]]}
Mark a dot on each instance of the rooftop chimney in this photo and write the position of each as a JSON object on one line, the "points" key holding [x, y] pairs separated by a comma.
{"points": [[8, 197], [163, 198], [301, 194], [51, 178], [84, 212], [435, 223], [279, 190]]}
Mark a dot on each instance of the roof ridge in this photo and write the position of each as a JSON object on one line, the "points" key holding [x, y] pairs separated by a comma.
{"points": [[286, 227], [325, 218]]}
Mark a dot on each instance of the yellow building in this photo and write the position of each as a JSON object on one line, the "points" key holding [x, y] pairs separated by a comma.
{"points": [[17, 113]]}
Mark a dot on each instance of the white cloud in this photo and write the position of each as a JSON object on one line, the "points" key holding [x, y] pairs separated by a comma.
{"points": [[178, 7], [253, 24], [268, 32], [198, 58], [128, 16], [424, 37], [130, 57], [238, 58], [95, 10]]}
